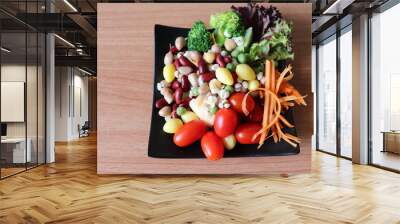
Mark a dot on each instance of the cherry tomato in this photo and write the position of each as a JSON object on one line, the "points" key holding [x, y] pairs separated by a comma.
{"points": [[225, 122], [189, 133], [212, 146], [257, 114], [245, 132], [236, 101]]}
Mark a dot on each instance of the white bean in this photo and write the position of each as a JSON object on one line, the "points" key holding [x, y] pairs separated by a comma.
{"points": [[180, 43], [226, 105], [167, 93], [215, 48], [168, 58], [212, 100], [193, 79], [245, 84], [238, 87], [260, 76], [214, 67], [203, 89], [184, 70], [165, 111], [215, 86], [223, 94], [169, 98]]}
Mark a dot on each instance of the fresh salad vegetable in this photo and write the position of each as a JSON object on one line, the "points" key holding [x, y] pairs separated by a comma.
{"points": [[212, 146], [271, 34], [258, 17], [230, 85], [199, 38], [226, 25]]}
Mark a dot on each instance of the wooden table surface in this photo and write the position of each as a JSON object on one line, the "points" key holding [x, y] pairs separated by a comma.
{"points": [[125, 74]]}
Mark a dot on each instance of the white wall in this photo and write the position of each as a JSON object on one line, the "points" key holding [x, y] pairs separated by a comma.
{"points": [[80, 109], [12, 73], [70, 83], [62, 81], [33, 127]]}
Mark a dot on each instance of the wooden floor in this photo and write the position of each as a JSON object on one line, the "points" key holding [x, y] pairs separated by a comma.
{"points": [[5, 172], [386, 159], [69, 191]]}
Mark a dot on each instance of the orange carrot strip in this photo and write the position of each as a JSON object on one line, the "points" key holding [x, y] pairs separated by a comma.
{"points": [[286, 122], [290, 98], [284, 137], [275, 135], [272, 89], [267, 87], [273, 121], [281, 78], [290, 76], [294, 138]]}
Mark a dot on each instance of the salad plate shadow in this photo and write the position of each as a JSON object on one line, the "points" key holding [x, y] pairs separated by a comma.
{"points": [[161, 144]]}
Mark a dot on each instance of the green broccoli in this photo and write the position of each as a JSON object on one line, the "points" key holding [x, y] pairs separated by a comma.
{"points": [[199, 38], [228, 22]]}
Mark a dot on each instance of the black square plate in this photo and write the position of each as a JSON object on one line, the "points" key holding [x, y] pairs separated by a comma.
{"points": [[161, 144]]}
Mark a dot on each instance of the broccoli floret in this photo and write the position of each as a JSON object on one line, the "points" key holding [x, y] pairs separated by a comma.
{"points": [[199, 38], [229, 21]]}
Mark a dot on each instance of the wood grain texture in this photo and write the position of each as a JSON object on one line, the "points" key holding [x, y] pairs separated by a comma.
{"points": [[125, 74], [70, 191]]}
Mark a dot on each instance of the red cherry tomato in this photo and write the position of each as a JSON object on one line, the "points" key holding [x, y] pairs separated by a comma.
{"points": [[236, 101], [212, 146], [225, 122], [257, 114], [245, 132], [189, 133]]}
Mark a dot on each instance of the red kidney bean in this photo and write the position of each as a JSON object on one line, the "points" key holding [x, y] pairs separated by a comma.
{"points": [[184, 61], [203, 68], [234, 76], [160, 103], [206, 77], [227, 59], [173, 49], [185, 83], [185, 103], [175, 85], [220, 61], [174, 114], [178, 94], [177, 64], [175, 106]]}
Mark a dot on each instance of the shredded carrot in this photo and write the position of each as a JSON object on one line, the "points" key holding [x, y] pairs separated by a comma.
{"points": [[273, 122], [285, 122], [282, 77]]}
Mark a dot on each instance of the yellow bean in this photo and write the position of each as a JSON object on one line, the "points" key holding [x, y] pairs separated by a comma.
{"points": [[189, 116], [172, 125], [224, 76], [169, 72], [245, 72], [209, 57], [254, 84], [229, 142]]}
